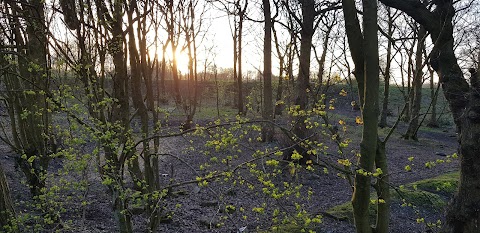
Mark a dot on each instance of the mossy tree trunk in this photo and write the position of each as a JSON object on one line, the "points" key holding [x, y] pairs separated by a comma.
{"points": [[364, 50], [27, 82]]}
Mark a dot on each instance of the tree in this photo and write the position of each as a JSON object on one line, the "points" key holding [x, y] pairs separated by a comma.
{"points": [[191, 28], [364, 50], [27, 80], [267, 131], [387, 72], [462, 214], [321, 60], [307, 24], [417, 87]]}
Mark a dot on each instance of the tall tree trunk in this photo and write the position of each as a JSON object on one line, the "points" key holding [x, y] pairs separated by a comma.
{"points": [[321, 63], [281, 57], [417, 87], [364, 50], [137, 97], [303, 82], [408, 97], [386, 89], [368, 145], [242, 12], [267, 130]]}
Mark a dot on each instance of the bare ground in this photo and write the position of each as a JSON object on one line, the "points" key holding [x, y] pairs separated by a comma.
{"points": [[202, 209]]}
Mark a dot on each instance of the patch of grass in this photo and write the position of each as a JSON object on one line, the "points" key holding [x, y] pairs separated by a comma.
{"points": [[287, 228], [210, 112], [445, 184], [430, 193], [344, 211], [419, 198]]}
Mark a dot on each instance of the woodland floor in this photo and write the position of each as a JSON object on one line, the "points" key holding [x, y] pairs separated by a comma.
{"points": [[201, 209]]}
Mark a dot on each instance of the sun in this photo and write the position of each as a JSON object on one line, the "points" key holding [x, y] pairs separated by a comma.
{"points": [[182, 61], [180, 56]]}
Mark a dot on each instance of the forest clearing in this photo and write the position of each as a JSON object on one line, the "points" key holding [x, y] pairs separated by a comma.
{"points": [[239, 116]]}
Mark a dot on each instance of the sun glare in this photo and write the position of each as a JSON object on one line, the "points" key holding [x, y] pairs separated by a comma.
{"points": [[180, 56]]}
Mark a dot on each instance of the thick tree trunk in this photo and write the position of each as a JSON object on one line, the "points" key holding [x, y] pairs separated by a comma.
{"points": [[463, 214]]}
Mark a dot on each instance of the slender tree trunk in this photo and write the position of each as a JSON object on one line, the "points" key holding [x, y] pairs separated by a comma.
{"points": [[267, 130], [235, 66], [163, 95], [241, 107], [368, 145], [281, 57], [433, 115], [364, 50], [217, 93], [386, 89], [321, 64], [137, 97], [417, 87]]}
